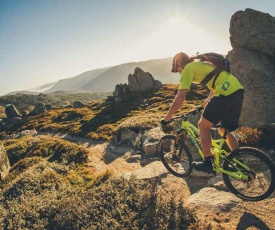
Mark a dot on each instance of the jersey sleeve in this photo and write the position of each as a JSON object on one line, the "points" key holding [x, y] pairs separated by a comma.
{"points": [[186, 77]]}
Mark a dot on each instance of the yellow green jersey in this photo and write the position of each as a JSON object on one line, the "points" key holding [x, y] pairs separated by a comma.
{"points": [[225, 84]]}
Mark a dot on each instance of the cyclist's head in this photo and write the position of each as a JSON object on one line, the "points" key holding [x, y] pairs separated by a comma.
{"points": [[180, 60]]}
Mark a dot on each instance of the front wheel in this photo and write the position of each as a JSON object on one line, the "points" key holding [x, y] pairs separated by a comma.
{"points": [[257, 171], [175, 156]]}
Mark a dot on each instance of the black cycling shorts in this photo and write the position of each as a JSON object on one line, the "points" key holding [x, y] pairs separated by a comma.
{"points": [[225, 110]]}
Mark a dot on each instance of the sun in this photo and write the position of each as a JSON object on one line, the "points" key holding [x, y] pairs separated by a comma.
{"points": [[179, 34]]}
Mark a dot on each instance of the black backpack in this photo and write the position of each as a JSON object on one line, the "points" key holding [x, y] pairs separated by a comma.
{"points": [[219, 61]]}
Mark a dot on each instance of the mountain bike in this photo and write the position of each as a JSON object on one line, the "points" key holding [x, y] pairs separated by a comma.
{"points": [[247, 172]]}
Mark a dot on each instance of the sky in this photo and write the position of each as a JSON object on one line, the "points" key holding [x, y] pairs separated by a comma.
{"points": [[43, 41]]}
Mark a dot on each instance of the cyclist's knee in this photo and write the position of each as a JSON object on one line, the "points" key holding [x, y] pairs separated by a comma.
{"points": [[204, 124]]}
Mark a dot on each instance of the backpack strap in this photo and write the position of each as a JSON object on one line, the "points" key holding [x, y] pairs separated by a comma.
{"points": [[214, 73]]}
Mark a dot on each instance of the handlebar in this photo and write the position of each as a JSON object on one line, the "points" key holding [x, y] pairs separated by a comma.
{"points": [[185, 115], [164, 124]]}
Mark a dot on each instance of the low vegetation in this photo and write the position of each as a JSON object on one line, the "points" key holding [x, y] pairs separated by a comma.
{"points": [[29, 101], [48, 202], [51, 186], [2, 112], [100, 119]]}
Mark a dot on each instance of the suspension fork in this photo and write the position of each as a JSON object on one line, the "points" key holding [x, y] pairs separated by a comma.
{"points": [[181, 135]]}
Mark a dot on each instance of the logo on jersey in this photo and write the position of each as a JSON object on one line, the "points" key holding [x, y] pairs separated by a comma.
{"points": [[225, 86]]}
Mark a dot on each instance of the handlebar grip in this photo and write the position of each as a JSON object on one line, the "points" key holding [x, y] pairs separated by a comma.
{"points": [[163, 122]]}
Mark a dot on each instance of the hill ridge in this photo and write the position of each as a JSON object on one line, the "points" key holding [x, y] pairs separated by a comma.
{"points": [[104, 79]]}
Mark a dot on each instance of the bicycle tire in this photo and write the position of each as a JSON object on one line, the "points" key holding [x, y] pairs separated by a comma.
{"points": [[177, 159], [261, 178]]}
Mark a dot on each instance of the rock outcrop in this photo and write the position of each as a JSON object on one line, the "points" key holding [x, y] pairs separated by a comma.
{"points": [[78, 104], [11, 111], [253, 30], [146, 142], [39, 108], [252, 36], [256, 73], [139, 83], [12, 117]]}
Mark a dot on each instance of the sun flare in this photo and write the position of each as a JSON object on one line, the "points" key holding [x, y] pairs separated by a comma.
{"points": [[180, 34]]}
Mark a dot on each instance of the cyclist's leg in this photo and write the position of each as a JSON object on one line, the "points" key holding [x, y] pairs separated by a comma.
{"points": [[204, 127], [206, 165], [212, 115], [231, 141]]}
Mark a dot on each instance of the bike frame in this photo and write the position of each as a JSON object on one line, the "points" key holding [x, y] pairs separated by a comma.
{"points": [[216, 147]]}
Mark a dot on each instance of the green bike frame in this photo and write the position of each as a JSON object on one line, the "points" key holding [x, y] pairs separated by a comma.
{"points": [[218, 152]]}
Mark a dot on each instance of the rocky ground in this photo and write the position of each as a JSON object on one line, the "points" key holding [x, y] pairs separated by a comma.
{"points": [[213, 204]]}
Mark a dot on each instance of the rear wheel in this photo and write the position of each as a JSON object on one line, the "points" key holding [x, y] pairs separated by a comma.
{"points": [[175, 156], [260, 181]]}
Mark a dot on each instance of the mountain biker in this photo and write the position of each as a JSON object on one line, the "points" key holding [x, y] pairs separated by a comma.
{"points": [[223, 104]]}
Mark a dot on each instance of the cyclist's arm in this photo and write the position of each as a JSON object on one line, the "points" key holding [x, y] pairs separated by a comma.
{"points": [[211, 94], [176, 104]]}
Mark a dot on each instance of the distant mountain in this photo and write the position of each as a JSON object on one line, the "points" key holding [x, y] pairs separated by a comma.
{"points": [[105, 79], [42, 88], [76, 83]]}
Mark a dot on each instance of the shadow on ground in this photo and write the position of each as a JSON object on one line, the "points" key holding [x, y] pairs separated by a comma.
{"points": [[250, 221]]}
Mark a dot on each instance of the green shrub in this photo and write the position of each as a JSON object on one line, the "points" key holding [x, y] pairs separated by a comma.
{"points": [[54, 149], [16, 149], [36, 179], [249, 136], [115, 204]]}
